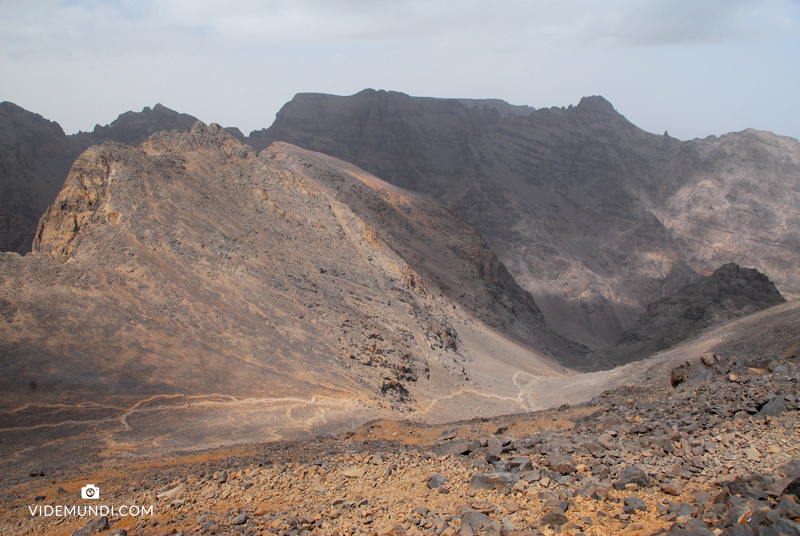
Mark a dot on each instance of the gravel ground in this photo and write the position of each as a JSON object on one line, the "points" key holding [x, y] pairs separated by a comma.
{"points": [[712, 455]]}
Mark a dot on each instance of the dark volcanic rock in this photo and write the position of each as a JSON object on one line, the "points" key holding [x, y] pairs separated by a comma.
{"points": [[633, 475], [96, 525], [730, 292], [132, 128], [593, 216], [35, 157]]}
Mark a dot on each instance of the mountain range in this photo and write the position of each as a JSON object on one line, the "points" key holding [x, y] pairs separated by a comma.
{"points": [[365, 256], [592, 215]]}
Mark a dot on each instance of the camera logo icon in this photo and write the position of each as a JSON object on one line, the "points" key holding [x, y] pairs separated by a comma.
{"points": [[90, 491]]}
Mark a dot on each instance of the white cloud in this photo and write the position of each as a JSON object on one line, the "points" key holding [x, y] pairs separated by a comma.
{"points": [[106, 26], [237, 61], [687, 22]]}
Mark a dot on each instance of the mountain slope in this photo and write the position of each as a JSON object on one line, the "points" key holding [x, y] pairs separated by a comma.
{"points": [[192, 273], [593, 216], [35, 157], [730, 292]]}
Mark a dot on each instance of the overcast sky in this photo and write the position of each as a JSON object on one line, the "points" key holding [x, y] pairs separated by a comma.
{"points": [[692, 67]]}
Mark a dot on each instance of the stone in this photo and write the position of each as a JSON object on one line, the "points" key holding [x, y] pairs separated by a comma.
{"points": [[476, 521], [633, 504], [435, 481], [709, 359], [520, 464], [774, 408], [562, 464], [672, 487], [752, 454], [679, 374], [793, 488], [781, 527], [633, 475], [690, 527], [447, 434], [739, 530], [171, 493], [95, 525], [240, 519], [738, 515], [491, 481], [354, 472], [554, 517]]}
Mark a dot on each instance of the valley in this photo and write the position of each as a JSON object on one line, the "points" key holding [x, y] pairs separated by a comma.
{"points": [[378, 289]]}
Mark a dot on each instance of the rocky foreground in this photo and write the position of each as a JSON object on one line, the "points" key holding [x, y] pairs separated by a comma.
{"points": [[714, 454]]}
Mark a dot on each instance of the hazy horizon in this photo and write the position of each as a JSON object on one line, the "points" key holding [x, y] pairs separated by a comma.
{"points": [[691, 69]]}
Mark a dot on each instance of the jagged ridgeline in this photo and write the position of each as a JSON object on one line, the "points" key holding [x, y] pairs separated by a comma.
{"points": [[594, 216], [591, 215], [36, 156]]}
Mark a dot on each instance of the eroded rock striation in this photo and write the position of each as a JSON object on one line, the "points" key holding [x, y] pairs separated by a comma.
{"points": [[592, 215]]}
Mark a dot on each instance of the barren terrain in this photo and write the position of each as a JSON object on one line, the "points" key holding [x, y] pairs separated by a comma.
{"points": [[275, 341], [708, 447], [594, 216]]}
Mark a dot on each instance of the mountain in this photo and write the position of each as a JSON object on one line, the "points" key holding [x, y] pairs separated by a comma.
{"points": [[132, 128], [730, 292], [36, 156], [192, 272], [592, 215]]}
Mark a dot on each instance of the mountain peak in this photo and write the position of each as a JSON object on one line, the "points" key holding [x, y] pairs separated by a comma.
{"points": [[132, 128], [596, 103]]}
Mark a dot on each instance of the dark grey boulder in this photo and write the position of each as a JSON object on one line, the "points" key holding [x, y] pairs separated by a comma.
{"points": [[95, 525], [436, 481]]}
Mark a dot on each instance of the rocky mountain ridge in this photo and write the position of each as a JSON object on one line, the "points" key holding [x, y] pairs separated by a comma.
{"points": [[730, 292], [36, 156], [194, 272], [592, 215]]}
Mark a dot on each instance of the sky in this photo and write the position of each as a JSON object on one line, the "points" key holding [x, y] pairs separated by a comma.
{"points": [[691, 67]]}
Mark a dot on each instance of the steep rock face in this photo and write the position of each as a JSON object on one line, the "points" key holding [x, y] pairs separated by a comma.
{"points": [[449, 256], [730, 292], [193, 266], [35, 158], [593, 216]]}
